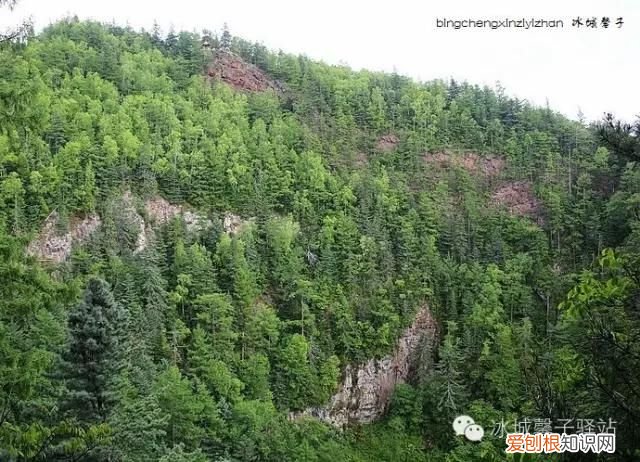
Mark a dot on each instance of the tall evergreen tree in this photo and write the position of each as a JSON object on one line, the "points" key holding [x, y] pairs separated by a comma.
{"points": [[90, 361]]}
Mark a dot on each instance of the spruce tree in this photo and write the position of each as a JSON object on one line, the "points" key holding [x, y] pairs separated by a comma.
{"points": [[225, 39], [90, 358]]}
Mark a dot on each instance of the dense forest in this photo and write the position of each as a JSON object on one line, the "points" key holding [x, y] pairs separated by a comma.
{"points": [[358, 197]]}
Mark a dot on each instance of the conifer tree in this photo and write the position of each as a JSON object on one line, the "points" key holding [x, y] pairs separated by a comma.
{"points": [[90, 362], [225, 39]]}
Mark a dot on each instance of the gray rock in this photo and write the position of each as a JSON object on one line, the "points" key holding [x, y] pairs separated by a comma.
{"points": [[52, 246], [366, 389]]}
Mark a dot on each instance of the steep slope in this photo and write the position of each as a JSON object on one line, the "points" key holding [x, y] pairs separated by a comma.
{"points": [[365, 391], [241, 75], [55, 245], [358, 199]]}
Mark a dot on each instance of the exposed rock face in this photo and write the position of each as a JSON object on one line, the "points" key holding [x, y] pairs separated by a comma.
{"points": [[52, 246], [238, 73], [518, 198], [233, 224], [130, 213], [366, 389], [387, 142], [160, 211]]}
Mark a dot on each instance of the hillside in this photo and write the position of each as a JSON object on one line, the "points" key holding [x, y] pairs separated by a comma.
{"points": [[210, 251]]}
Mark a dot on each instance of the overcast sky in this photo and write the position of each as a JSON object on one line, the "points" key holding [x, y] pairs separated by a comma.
{"points": [[595, 70]]}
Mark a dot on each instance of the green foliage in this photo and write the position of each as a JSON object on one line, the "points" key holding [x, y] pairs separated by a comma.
{"points": [[323, 236], [90, 359]]}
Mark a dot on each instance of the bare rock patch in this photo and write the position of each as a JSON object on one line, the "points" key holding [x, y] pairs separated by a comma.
{"points": [[241, 75], [365, 391], [518, 199], [55, 246]]}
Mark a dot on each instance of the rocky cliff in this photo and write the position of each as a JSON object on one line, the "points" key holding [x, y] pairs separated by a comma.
{"points": [[241, 75], [366, 389], [53, 244]]}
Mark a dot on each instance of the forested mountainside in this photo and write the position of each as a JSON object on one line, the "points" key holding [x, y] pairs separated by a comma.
{"points": [[198, 237]]}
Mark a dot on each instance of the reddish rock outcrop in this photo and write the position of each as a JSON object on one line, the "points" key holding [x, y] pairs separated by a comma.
{"points": [[518, 198], [241, 75]]}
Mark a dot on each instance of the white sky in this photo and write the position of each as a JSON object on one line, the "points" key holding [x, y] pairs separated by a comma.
{"points": [[593, 70]]}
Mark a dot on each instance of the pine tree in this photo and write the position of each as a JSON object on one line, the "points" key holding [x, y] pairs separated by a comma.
{"points": [[193, 416], [225, 39], [138, 425], [31, 340], [154, 299], [451, 389], [90, 358], [171, 41], [214, 313], [254, 373], [156, 35], [12, 194], [293, 376], [212, 372]]}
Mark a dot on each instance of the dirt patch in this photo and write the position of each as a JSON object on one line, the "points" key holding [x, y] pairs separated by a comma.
{"points": [[518, 198], [240, 74], [488, 166], [51, 245], [387, 142]]}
